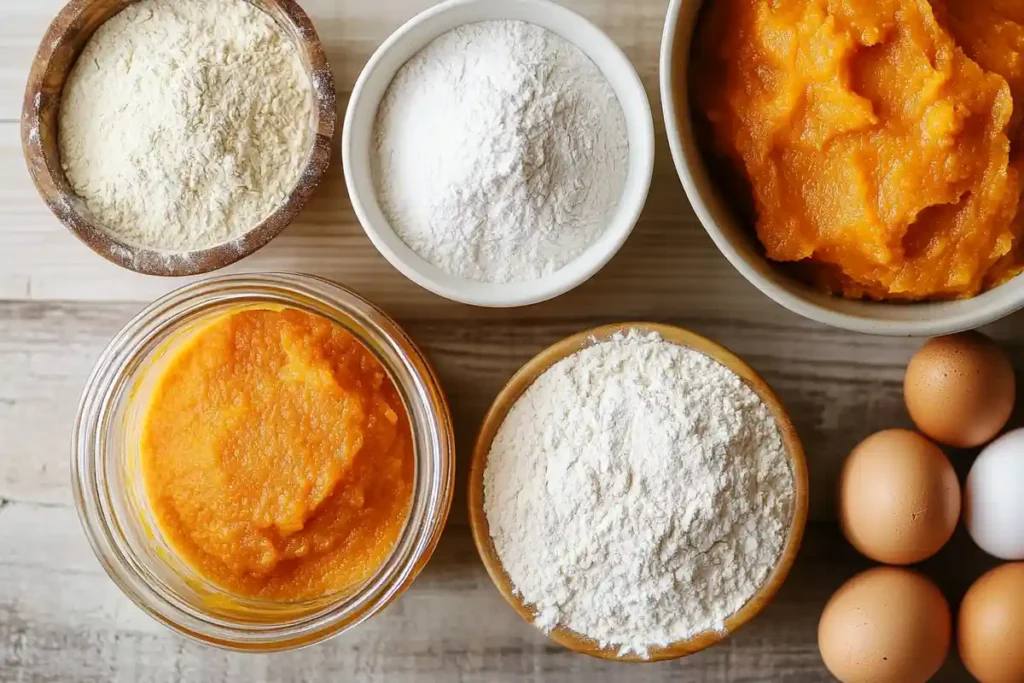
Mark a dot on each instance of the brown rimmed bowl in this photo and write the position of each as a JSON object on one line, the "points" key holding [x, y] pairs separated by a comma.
{"points": [[64, 41], [519, 384]]}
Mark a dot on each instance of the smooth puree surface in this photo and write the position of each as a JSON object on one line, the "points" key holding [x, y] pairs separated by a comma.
{"points": [[878, 152], [277, 456]]}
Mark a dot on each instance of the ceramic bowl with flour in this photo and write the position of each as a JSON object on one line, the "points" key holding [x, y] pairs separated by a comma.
{"points": [[498, 154], [637, 492], [176, 137]]}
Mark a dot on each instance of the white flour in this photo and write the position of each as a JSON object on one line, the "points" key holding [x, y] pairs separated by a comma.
{"points": [[501, 152], [185, 123], [638, 493]]}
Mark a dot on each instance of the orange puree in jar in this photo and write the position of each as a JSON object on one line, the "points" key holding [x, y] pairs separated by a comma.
{"points": [[277, 456], [877, 151]]}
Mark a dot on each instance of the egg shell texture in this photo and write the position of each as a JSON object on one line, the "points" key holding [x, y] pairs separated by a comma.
{"points": [[899, 497], [991, 626], [994, 498], [885, 624], [960, 389]]}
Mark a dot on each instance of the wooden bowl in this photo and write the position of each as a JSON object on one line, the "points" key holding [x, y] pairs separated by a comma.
{"points": [[526, 376], [63, 42]]}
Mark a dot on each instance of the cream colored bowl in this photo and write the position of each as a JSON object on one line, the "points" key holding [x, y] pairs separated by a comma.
{"points": [[739, 244], [419, 32]]}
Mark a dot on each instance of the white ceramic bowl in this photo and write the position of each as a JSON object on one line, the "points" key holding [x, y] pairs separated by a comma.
{"points": [[416, 34], [738, 243]]}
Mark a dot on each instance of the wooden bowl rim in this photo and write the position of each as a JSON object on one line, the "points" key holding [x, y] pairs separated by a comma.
{"points": [[573, 344], [56, 192]]}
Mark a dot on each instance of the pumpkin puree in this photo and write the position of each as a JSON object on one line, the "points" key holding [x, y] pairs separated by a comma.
{"points": [[277, 456], [877, 149]]}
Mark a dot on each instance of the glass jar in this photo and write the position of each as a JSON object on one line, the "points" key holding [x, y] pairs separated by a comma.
{"points": [[117, 519]]}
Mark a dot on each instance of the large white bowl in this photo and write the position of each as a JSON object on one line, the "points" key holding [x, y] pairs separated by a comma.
{"points": [[738, 243], [416, 34]]}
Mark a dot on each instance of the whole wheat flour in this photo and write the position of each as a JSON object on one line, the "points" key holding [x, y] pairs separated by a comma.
{"points": [[638, 493], [184, 123], [500, 152]]}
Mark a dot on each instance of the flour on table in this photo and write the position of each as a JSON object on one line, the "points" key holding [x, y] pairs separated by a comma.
{"points": [[500, 152], [185, 123], [638, 493]]}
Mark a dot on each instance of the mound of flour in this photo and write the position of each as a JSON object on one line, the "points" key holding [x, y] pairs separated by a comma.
{"points": [[638, 493], [500, 152], [185, 123]]}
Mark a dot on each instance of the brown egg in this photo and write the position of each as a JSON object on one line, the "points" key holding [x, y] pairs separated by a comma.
{"points": [[960, 389], [991, 626], [899, 498], [885, 625]]}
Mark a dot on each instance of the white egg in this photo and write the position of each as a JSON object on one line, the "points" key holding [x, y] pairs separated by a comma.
{"points": [[994, 498]]}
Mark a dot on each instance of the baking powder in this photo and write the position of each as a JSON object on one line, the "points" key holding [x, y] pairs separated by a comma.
{"points": [[638, 493], [500, 152], [185, 123]]}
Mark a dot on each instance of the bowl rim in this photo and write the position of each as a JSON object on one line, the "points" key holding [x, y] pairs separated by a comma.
{"points": [[631, 95], [524, 378], [55, 190], [870, 317]]}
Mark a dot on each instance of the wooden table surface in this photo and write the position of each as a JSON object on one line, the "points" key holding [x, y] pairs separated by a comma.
{"points": [[61, 619]]}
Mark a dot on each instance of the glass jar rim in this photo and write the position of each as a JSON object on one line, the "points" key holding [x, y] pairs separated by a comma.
{"points": [[413, 377]]}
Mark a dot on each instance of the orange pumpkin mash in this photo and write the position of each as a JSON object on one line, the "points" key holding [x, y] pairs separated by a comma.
{"points": [[277, 456], [877, 150], [991, 32]]}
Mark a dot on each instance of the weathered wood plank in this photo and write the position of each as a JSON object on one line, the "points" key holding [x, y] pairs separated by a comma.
{"points": [[60, 614], [21, 29], [838, 387]]}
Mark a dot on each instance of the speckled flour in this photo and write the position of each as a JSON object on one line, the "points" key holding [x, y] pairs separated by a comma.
{"points": [[185, 123]]}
